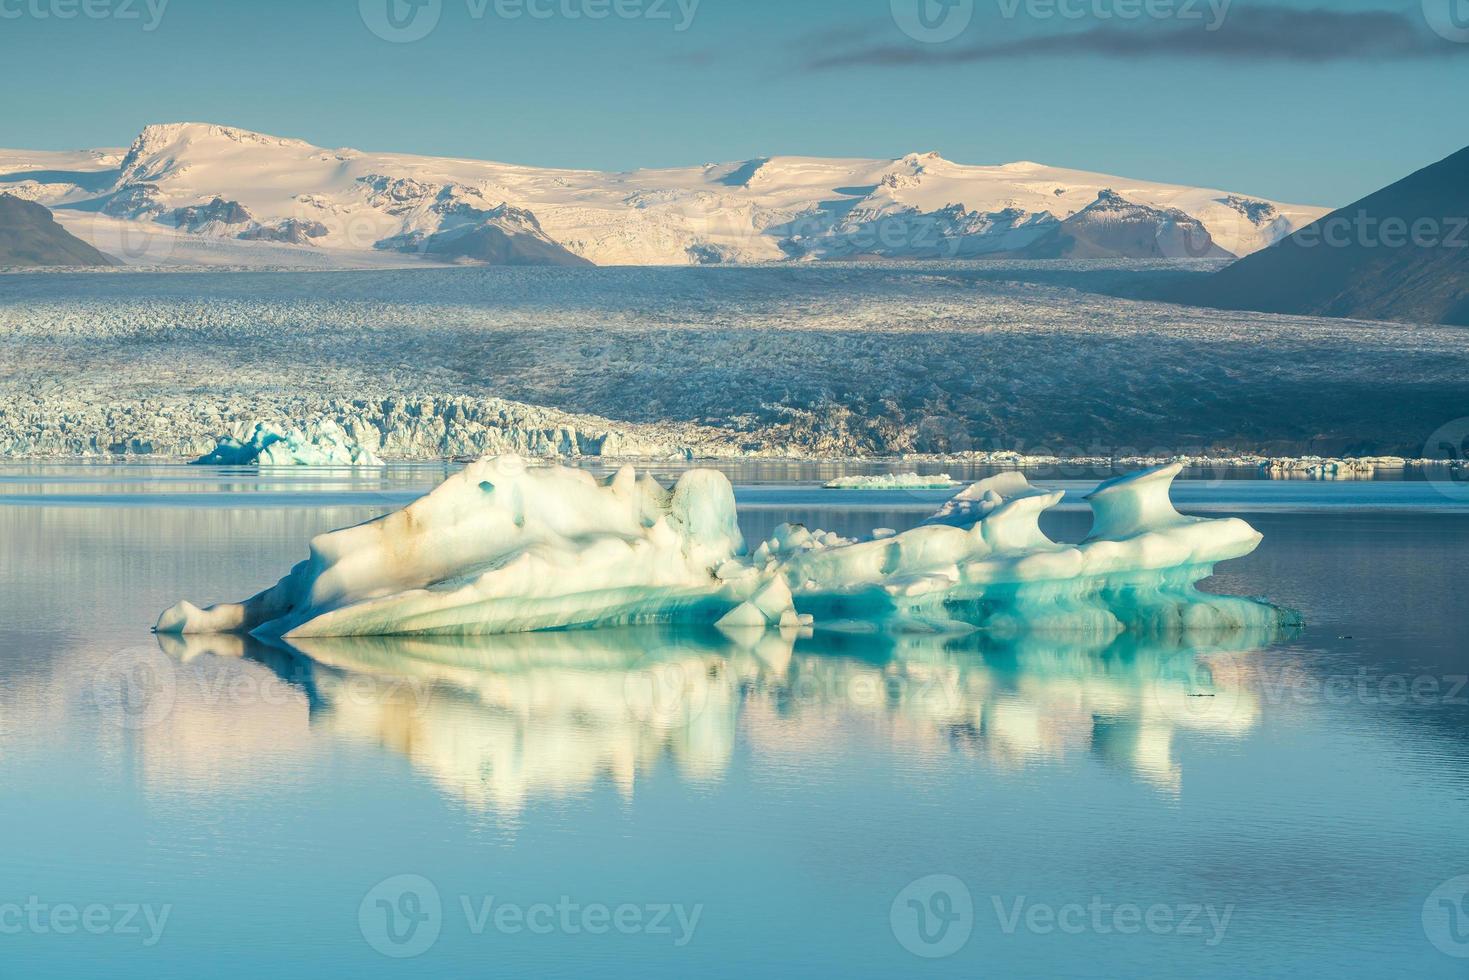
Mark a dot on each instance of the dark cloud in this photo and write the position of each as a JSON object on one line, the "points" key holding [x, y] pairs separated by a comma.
{"points": [[1245, 34], [849, 33]]}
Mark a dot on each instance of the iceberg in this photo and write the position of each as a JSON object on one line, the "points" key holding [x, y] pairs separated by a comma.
{"points": [[505, 546], [892, 481], [319, 443], [1328, 468]]}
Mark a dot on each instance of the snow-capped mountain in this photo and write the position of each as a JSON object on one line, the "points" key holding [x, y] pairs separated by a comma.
{"points": [[187, 192], [1113, 227]]}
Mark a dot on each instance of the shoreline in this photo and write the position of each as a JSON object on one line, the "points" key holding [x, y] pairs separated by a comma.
{"points": [[1272, 467]]}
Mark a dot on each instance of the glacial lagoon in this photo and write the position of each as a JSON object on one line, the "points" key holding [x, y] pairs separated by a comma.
{"points": [[1268, 802]]}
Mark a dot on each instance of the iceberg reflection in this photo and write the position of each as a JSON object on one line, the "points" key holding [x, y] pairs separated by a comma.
{"points": [[499, 721]]}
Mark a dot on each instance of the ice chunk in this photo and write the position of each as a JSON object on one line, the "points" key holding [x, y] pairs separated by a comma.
{"points": [[771, 606], [892, 481], [1329, 468], [504, 546], [979, 499], [319, 443], [1137, 502]]}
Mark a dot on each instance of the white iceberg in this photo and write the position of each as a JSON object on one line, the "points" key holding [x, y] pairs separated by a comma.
{"points": [[319, 443], [892, 481], [505, 546]]}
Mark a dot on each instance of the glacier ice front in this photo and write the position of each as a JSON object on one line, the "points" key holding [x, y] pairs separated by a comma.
{"points": [[505, 546], [319, 443]]}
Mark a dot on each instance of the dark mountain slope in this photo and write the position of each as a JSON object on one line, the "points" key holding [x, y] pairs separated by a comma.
{"points": [[1401, 253], [29, 236]]}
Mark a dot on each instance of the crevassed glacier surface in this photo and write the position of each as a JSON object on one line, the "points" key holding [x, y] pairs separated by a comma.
{"points": [[504, 546], [812, 361]]}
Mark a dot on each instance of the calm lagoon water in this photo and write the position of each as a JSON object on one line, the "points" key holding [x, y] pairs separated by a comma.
{"points": [[657, 803]]}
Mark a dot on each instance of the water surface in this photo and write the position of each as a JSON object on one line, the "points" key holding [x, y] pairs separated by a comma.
{"points": [[1030, 808]]}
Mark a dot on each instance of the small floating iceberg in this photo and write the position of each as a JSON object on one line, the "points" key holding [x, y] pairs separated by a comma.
{"points": [[505, 547], [891, 481], [1325, 468], [319, 443]]}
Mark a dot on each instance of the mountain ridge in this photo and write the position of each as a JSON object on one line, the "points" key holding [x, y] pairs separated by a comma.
{"points": [[1114, 227], [347, 203]]}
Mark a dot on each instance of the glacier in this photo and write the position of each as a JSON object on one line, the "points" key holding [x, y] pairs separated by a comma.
{"points": [[932, 361], [508, 546], [321, 442]]}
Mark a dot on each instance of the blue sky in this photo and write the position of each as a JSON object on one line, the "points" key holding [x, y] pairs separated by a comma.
{"points": [[1284, 100]]}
